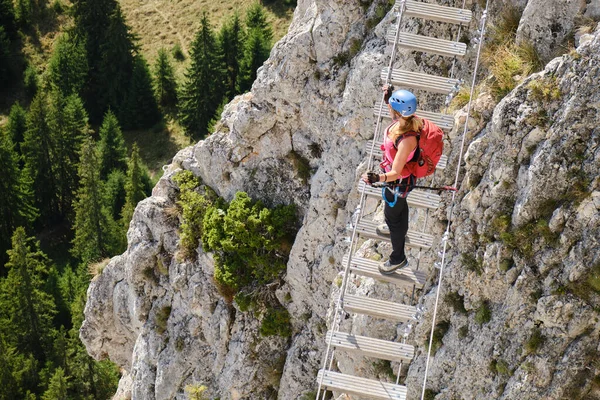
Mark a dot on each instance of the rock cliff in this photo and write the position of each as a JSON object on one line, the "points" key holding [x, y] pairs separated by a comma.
{"points": [[524, 233]]}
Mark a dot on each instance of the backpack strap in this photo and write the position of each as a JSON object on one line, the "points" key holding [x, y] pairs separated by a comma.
{"points": [[415, 157]]}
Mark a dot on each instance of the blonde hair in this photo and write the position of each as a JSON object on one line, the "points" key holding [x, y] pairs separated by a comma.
{"points": [[414, 124]]}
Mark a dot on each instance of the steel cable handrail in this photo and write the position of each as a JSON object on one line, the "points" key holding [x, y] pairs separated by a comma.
{"points": [[452, 203]]}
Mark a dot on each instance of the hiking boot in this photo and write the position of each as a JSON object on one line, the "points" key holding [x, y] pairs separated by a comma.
{"points": [[383, 230], [387, 267]]}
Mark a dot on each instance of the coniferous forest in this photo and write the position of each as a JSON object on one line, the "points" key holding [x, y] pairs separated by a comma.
{"points": [[72, 174]]}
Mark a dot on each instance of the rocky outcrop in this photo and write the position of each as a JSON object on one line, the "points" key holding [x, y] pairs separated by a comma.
{"points": [[163, 321], [535, 165]]}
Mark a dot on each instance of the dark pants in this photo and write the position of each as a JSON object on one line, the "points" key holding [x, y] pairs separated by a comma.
{"points": [[396, 219]]}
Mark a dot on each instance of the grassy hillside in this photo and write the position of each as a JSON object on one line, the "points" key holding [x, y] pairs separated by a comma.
{"points": [[166, 23], [157, 24]]}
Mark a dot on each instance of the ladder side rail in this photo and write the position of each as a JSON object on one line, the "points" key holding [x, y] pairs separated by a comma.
{"points": [[447, 233]]}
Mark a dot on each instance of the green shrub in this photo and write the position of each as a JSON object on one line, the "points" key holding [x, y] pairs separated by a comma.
{"points": [[196, 392], [301, 164], [523, 238], [380, 11], [506, 264], [193, 206], [355, 46], [179, 344], [438, 335], [470, 262], [244, 301], [177, 52], [384, 367], [484, 313], [501, 223], [508, 62], [341, 59], [457, 302], [276, 321], [502, 368], [58, 7], [161, 318], [544, 90], [461, 98], [463, 331], [430, 394], [586, 288], [30, 80], [251, 243], [365, 4], [535, 341], [312, 395], [536, 295]]}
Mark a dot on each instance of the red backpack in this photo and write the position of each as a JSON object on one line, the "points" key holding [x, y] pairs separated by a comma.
{"points": [[429, 150]]}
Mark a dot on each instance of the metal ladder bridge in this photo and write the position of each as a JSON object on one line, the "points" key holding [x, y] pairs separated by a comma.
{"points": [[412, 278]]}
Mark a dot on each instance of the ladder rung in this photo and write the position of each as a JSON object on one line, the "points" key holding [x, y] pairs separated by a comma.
{"points": [[417, 80], [417, 198], [378, 308], [414, 239], [370, 347], [428, 44], [377, 153], [444, 121], [402, 277], [436, 12], [367, 388]]}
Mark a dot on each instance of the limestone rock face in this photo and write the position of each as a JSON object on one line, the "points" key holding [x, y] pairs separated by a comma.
{"points": [[547, 23], [532, 157], [531, 220]]}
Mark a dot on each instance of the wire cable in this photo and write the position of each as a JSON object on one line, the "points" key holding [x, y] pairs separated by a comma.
{"points": [[446, 235]]}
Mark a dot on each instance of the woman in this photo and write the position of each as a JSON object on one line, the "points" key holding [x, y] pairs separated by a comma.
{"points": [[399, 145]]}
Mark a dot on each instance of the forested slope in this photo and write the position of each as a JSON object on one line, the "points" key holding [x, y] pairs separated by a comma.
{"points": [[86, 123]]}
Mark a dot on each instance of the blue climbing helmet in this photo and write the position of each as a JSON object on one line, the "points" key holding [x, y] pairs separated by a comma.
{"points": [[403, 102]]}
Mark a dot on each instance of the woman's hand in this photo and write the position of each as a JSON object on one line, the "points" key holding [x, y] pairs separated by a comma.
{"points": [[388, 90], [370, 178]]}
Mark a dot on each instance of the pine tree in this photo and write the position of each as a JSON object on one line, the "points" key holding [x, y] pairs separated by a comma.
{"points": [[7, 18], [134, 188], [39, 150], [92, 18], [8, 382], [256, 18], [113, 153], [257, 46], [202, 91], [17, 125], [16, 200], [110, 49], [57, 389], [140, 110], [17, 371], [231, 41], [25, 306], [68, 120], [68, 66], [256, 52], [117, 64], [115, 193], [23, 12], [165, 85], [6, 59], [88, 379], [94, 226]]}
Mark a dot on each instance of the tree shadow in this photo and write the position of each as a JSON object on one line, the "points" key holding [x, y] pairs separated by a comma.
{"points": [[280, 8], [158, 145]]}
